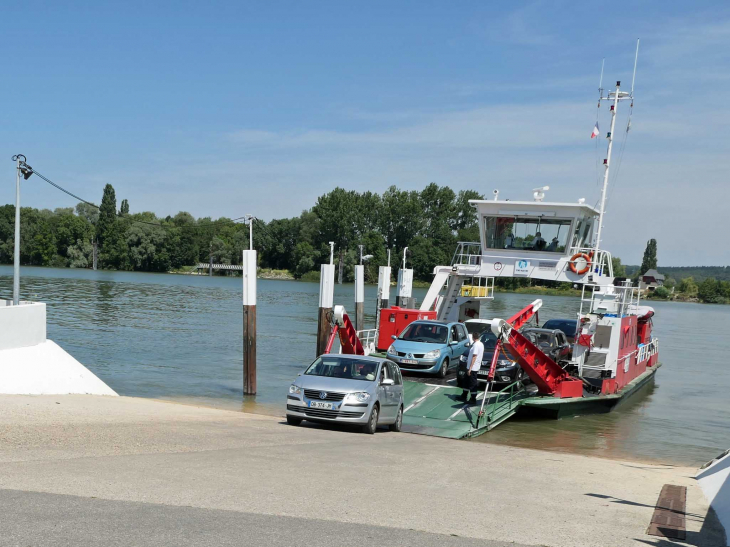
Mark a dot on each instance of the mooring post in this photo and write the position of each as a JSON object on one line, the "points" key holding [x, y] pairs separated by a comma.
{"points": [[405, 287], [249, 322], [326, 301], [383, 293], [360, 297]]}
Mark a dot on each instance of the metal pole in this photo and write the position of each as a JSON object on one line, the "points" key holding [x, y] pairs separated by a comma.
{"points": [[16, 257], [605, 173], [250, 233]]}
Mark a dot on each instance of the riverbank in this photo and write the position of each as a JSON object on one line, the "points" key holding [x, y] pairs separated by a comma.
{"points": [[172, 474]]}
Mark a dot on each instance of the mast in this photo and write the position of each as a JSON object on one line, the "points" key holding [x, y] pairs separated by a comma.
{"points": [[615, 97]]}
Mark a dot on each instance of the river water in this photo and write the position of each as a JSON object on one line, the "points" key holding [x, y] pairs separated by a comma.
{"points": [[178, 337]]}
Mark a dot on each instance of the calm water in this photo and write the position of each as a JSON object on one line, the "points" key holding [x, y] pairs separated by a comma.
{"points": [[178, 337]]}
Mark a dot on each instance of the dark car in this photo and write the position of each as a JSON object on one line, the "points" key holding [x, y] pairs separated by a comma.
{"points": [[568, 326], [553, 343], [507, 370]]}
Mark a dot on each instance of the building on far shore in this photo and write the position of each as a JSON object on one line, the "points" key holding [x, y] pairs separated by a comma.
{"points": [[651, 280]]}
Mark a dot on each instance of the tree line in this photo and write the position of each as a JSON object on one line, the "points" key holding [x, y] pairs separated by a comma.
{"points": [[429, 223]]}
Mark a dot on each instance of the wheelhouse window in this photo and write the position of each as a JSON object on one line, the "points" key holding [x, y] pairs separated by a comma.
{"points": [[527, 233], [583, 228]]}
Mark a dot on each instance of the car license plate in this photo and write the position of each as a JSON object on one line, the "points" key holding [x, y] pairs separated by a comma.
{"points": [[483, 373], [318, 404], [409, 361]]}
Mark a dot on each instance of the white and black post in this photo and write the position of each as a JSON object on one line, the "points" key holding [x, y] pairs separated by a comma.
{"points": [[326, 301], [405, 283], [249, 322]]}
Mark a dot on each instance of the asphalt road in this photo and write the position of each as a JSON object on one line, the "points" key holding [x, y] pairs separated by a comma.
{"points": [[39, 519]]}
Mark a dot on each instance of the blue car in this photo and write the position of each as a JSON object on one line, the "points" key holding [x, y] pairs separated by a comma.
{"points": [[429, 346]]}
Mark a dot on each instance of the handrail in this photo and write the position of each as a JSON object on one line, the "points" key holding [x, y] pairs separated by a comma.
{"points": [[497, 404]]}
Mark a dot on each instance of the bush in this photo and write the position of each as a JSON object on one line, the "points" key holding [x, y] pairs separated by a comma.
{"points": [[661, 292]]}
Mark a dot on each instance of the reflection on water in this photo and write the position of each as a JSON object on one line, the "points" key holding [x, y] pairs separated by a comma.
{"points": [[179, 338]]}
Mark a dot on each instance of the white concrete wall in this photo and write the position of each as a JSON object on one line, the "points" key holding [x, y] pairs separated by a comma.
{"points": [[22, 326], [715, 483], [46, 369]]}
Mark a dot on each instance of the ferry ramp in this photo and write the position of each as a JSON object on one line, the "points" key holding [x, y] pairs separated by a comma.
{"points": [[436, 410]]}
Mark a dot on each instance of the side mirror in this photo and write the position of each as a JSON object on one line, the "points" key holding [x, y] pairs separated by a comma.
{"points": [[468, 344], [393, 337], [387, 382], [299, 374]]}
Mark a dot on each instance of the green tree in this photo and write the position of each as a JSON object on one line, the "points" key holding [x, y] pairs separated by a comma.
{"points": [[708, 290], [619, 270], [649, 260], [124, 209], [688, 287]]}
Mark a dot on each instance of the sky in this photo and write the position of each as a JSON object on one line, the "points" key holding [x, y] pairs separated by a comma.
{"points": [[230, 108]]}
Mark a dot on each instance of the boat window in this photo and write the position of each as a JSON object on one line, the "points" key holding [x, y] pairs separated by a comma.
{"points": [[582, 232], [425, 332], [343, 367], [527, 233]]}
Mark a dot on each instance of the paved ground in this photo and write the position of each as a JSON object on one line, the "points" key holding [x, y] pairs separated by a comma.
{"points": [[82, 470]]}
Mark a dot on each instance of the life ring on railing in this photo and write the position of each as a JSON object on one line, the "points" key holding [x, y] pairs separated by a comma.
{"points": [[584, 256]]}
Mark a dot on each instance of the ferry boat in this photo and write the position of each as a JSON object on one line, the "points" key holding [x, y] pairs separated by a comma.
{"points": [[614, 353]]}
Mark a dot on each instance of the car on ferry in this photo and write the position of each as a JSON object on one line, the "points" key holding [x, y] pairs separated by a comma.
{"points": [[507, 370], [429, 346], [568, 326], [552, 342], [350, 389]]}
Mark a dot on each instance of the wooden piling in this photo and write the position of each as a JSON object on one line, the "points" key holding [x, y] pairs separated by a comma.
{"points": [[359, 297], [326, 301], [249, 322]]}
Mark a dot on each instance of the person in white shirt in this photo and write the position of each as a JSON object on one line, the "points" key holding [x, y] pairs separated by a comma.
{"points": [[473, 364]]}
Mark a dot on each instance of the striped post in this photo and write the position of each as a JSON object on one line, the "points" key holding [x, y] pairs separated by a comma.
{"points": [[326, 301], [249, 322], [405, 287]]}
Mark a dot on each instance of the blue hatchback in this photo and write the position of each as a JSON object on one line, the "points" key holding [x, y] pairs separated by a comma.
{"points": [[429, 346]]}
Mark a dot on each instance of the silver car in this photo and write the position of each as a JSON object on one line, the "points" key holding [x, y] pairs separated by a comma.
{"points": [[350, 389]]}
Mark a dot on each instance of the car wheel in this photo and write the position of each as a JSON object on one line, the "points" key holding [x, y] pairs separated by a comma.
{"points": [[398, 421], [444, 370], [293, 420], [372, 424]]}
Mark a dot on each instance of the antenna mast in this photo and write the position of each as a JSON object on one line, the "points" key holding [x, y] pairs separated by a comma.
{"points": [[614, 97]]}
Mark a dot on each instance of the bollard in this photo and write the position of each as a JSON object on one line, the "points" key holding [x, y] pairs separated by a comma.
{"points": [[405, 287], [249, 322], [359, 297], [326, 301]]}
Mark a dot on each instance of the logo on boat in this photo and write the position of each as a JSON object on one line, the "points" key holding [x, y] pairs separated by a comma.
{"points": [[322, 394], [522, 267], [497, 266]]}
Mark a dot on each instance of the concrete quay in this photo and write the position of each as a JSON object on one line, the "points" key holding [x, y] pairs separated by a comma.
{"points": [[95, 470]]}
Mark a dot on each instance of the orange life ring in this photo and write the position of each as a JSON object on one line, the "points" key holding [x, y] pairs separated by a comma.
{"points": [[584, 256]]}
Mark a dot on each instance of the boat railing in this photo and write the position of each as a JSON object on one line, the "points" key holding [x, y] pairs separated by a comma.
{"points": [[478, 287], [368, 339], [647, 351], [503, 400], [468, 253], [601, 262]]}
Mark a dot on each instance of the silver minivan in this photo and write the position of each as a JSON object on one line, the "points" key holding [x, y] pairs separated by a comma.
{"points": [[353, 389]]}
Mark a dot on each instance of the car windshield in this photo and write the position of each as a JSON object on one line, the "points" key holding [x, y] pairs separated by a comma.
{"points": [[568, 327], [489, 340], [334, 366], [425, 332], [543, 338]]}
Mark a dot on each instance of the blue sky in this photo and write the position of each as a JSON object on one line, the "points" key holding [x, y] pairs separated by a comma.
{"points": [[227, 108]]}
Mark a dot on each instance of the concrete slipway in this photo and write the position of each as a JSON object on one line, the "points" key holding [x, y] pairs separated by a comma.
{"points": [[90, 470]]}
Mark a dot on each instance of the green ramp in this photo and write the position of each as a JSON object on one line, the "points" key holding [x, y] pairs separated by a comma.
{"points": [[436, 410]]}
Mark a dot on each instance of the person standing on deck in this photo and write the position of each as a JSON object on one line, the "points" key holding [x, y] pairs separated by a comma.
{"points": [[473, 364]]}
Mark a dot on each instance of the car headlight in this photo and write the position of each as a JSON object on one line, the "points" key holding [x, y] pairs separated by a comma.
{"points": [[361, 397], [432, 354], [462, 359], [504, 363], [295, 389], [391, 350]]}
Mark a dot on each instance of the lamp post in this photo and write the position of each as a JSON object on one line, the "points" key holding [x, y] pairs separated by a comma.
{"points": [[26, 170]]}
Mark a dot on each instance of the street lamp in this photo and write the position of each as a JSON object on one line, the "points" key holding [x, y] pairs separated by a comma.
{"points": [[26, 171]]}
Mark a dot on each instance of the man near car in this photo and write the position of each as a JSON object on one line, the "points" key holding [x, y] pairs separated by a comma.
{"points": [[473, 364]]}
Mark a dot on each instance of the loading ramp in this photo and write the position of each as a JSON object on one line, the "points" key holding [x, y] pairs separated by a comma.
{"points": [[436, 410]]}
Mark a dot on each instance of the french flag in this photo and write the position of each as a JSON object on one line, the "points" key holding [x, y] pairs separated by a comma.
{"points": [[595, 131]]}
